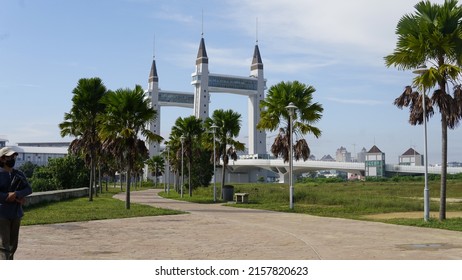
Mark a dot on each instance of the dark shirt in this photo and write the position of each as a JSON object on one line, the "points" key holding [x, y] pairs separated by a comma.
{"points": [[12, 210]]}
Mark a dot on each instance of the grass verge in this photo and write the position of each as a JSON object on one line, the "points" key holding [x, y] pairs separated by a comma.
{"points": [[81, 209], [352, 200]]}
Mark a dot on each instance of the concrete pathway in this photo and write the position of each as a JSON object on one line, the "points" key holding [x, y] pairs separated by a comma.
{"points": [[220, 232]]}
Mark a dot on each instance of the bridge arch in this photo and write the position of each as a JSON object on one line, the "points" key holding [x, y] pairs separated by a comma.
{"points": [[204, 82]]}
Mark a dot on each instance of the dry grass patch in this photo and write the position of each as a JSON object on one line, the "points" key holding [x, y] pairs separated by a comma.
{"points": [[411, 215]]}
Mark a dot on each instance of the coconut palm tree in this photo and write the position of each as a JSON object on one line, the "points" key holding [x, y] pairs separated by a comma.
{"points": [[127, 114], [413, 99], [174, 156], [191, 130], [156, 165], [228, 125], [274, 115], [433, 35], [82, 123]]}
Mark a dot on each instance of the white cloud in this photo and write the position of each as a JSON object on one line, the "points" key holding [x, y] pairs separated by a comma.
{"points": [[357, 28], [289, 66]]}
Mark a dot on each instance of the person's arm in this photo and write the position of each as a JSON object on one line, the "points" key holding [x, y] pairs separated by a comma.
{"points": [[3, 189], [25, 189], [11, 197]]}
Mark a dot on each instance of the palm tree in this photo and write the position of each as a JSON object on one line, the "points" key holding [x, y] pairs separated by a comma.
{"points": [[127, 114], [413, 99], [274, 114], [82, 123], [174, 157], [433, 35], [191, 129], [228, 125], [156, 165]]}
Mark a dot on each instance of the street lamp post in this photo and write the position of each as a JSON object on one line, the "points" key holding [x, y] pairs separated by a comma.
{"points": [[291, 109], [155, 175], [182, 176], [420, 71], [214, 127], [168, 171]]}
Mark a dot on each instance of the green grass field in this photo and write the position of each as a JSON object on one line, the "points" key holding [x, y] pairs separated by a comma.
{"points": [[81, 209], [352, 200]]}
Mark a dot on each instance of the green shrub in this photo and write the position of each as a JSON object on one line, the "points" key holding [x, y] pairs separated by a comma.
{"points": [[61, 173]]}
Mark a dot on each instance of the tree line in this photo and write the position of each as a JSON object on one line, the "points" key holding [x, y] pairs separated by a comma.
{"points": [[107, 125], [111, 133]]}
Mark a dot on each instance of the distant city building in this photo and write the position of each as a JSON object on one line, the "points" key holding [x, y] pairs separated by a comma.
{"points": [[411, 157], [327, 158], [361, 156], [342, 155], [375, 163]]}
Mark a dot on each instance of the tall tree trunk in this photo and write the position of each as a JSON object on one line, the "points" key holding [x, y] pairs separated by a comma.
{"points": [[99, 180], [127, 193], [444, 166], [223, 173], [94, 180], [155, 177], [177, 181], [121, 182], [189, 177], [90, 189]]}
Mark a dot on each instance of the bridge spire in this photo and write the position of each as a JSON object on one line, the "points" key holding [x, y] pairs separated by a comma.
{"points": [[257, 63], [153, 74], [202, 53], [153, 91], [201, 83]]}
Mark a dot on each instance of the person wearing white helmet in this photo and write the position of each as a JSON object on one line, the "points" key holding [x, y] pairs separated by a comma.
{"points": [[13, 190]]}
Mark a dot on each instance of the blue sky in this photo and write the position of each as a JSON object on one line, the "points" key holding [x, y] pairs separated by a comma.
{"points": [[336, 46]]}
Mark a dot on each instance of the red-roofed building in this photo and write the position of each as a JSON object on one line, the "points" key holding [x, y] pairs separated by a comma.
{"points": [[411, 157]]}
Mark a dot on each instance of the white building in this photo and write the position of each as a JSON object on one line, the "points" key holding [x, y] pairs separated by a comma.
{"points": [[361, 156], [411, 158], [342, 155], [38, 153]]}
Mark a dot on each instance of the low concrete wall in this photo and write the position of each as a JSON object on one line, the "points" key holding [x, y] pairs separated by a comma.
{"points": [[39, 197]]}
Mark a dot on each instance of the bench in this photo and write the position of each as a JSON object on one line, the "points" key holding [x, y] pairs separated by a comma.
{"points": [[241, 197]]}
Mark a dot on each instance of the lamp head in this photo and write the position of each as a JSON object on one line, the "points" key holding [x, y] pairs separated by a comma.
{"points": [[291, 108]]}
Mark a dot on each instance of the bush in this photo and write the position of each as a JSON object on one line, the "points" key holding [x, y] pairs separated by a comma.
{"points": [[28, 168], [61, 173]]}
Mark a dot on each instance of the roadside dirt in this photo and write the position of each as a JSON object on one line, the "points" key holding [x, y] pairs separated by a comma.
{"points": [[411, 215]]}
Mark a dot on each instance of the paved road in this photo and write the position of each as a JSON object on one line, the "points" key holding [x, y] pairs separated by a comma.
{"points": [[220, 232]]}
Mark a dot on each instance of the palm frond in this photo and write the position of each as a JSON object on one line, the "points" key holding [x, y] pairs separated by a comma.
{"points": [[301, 150]]}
